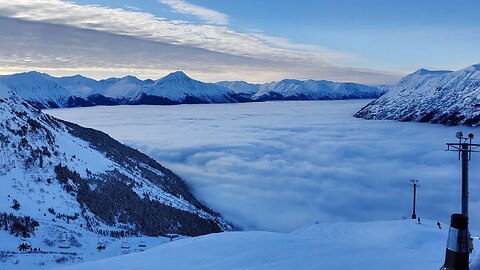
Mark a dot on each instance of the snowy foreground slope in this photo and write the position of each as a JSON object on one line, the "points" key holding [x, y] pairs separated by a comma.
{"points": [[445, 97], [371, 245], [61, 183], [45, 91]]}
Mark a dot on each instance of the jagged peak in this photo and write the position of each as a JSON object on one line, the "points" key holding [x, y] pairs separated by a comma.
{"points": [[177, 75], [290, 81], [130, 77], [76, 76], [30, 74]]}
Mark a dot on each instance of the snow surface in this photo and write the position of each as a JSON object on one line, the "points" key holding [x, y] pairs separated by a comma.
{"points": [[177, 86], [35, 86], [309, 89], [379, 245], [313, 89], [281, 166], [431, 96], [241, 86]]}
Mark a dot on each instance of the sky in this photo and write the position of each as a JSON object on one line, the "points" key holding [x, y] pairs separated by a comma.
{"points": [[369, 41]]}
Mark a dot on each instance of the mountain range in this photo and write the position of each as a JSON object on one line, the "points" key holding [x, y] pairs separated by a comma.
{"points": [[446, 97], [45, 91]]}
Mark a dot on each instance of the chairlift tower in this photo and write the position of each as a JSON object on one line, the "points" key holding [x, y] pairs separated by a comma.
{"points": [[415, 185], [459, 240], [464, 147]]}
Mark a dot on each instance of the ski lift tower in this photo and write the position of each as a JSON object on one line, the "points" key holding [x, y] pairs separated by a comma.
{"points": [[415, 185], [464, 147], [459, 240]]}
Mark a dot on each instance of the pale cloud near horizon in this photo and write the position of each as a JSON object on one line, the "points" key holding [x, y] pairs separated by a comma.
{"points": [[101, 40], [206, 14]]}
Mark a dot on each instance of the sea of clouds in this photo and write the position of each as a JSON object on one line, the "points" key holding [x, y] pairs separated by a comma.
{"points": [[284, 165]]}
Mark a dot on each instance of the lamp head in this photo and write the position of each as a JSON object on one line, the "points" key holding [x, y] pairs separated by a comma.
{"points": [[459, 135], [471, 136]]}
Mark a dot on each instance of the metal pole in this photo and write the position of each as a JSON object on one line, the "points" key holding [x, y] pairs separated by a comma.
{"points": [[414, 215], [465, 179]]}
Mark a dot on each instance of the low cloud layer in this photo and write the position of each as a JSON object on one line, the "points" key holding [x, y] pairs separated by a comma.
{"points": [[284, 165], [62, 37]]}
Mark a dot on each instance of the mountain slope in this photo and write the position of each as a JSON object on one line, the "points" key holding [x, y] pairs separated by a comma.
{"points": [[240, 87], [315, 90], [347, 245], [303, 90], [445, 97], [38, 88], [60, 173], [80, 86], [177, 88]]}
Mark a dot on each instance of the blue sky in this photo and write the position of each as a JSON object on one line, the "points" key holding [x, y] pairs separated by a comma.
{"points": [[366, 41]]}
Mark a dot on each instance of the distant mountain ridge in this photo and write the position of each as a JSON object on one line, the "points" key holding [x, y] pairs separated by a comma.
{"points": [[45, 91], [446, 97]]}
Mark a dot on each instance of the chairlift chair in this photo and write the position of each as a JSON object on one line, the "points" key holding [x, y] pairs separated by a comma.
{"points": [[142, 245], [125, 245], [64, 244], [100, 245]]}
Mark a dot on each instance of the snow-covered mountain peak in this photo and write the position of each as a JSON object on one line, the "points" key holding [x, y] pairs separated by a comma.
{"points": [[240, 87], [39, 88], [445, 97], [130, 78], [289, 81], [30, 75], [472, 68], [424, 71], [292, 89], [76, 76], [177, 76], [33, 74]]}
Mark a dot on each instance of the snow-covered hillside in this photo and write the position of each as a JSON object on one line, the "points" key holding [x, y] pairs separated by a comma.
{"points": [[445, 97], [178, 88], [45, 91], [39, 89], [303, 90], [241, 87], [379, 245], [60, 181], [315, 90]]}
